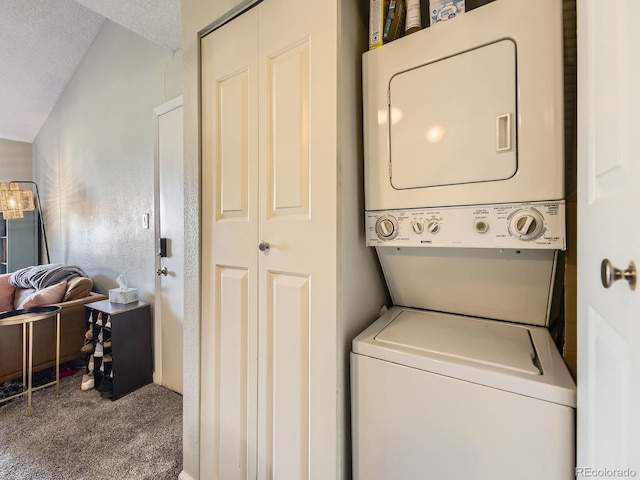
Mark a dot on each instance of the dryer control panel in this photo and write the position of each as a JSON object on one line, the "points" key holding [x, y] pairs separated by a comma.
{"points": [[534, 225]]}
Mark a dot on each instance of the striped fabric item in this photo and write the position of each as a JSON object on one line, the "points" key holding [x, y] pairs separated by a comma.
{"points": [[42, 276]]}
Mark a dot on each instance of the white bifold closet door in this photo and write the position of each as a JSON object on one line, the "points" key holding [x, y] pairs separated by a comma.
{"points": [[268, 407]]}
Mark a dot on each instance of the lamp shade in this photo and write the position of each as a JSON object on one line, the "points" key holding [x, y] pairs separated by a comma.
{"points": [[13, 201]]}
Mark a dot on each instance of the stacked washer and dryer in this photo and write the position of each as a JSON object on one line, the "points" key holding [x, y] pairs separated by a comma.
{"points": [[464, 187]]}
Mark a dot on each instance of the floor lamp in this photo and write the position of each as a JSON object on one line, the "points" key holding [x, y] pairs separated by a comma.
{"points": [[14, 201]]}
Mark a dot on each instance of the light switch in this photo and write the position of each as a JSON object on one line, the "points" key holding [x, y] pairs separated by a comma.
{"points": [[145, 220]]}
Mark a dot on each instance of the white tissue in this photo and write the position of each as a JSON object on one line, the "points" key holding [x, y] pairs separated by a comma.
{"points": [[122, 281], [123, 294]]}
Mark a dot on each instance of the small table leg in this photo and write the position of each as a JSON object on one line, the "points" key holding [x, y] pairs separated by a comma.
{"points": [[29, 391], [58, 355], [24, 357]]}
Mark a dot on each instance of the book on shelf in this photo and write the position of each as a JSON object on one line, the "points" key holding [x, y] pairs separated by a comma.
{"points": [[394, 23], [377, 16]]}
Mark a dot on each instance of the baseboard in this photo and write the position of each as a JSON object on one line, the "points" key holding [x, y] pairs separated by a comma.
{"points": [[185, 476]]}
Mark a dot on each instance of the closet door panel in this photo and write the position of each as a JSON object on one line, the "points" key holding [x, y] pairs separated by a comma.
{"points": [[297, 406], [287, 380], [288, 155], [229, 253], [233, 152], [231, 378]]}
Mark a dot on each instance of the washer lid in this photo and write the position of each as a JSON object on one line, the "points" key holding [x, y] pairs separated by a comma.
{"points": [[520, 359], [485, 342]]}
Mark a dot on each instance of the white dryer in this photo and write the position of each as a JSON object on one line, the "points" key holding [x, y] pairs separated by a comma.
{"points": [[468, 111], [464, 199]]}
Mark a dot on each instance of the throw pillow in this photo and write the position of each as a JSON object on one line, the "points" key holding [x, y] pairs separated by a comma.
{"points": [[7, 292], [21, 295], [46, 296], [77, 287]]}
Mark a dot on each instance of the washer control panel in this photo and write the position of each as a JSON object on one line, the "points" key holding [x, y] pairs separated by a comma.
{"points": [[534, 225]]}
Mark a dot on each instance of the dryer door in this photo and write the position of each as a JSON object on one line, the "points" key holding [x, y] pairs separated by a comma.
{"points": [[453, 120]]}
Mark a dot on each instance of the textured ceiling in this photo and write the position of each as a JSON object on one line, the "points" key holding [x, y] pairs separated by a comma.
{"points": [[155, 20], [42, 43]]}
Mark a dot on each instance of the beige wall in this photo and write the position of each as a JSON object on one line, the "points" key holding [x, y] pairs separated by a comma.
{"points": [[94, 158], [15, 160]]}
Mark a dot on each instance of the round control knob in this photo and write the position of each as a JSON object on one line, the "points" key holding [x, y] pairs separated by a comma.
{"points": [[526, 225], [387, 227], [418, 227], [433, 225], [481, 226]]}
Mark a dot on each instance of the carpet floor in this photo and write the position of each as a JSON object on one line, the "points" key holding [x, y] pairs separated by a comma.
{"points": [[82, 436]]}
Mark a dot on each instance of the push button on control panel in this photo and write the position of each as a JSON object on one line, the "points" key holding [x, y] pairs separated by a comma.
{"points": [[481, 226]]}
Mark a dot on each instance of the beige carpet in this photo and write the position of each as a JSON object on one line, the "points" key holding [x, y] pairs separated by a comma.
{"points": [[82, 436]]}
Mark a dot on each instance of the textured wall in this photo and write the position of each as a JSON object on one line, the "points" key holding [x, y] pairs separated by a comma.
{"points": [[94, 159], [15, 160]]}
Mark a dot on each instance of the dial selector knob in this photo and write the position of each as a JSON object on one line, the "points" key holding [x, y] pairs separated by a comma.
{"points": [[418, 227], [526, 225], [387, 227], [433, 225]]}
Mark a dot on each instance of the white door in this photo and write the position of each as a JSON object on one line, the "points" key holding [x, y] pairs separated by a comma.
{"points": [[229, 333], [169, 306], [608, 201], [268, 406], [297, 416]]}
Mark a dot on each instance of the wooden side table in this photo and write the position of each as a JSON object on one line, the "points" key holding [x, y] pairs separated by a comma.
{"points": [[24, 317]]}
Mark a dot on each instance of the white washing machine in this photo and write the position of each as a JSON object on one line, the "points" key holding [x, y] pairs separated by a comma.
{"points": [[440, 396], [461, 378], [464, 198]]}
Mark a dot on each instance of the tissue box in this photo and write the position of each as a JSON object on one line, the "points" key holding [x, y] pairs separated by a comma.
{"points": [[123, 295], [441, 10]]}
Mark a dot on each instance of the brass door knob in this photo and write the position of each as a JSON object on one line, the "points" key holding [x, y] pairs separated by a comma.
{"points": [[610, 274]]}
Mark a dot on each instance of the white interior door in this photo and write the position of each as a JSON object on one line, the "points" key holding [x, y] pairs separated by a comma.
{"points": [[297, 426], [169, 305], [229, 251], [609, 197], [268, 324]]}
